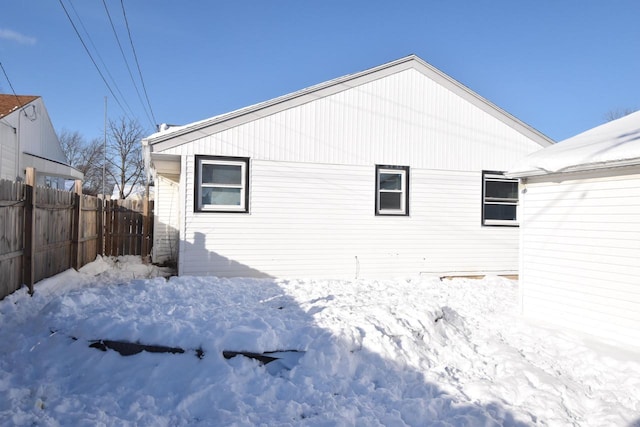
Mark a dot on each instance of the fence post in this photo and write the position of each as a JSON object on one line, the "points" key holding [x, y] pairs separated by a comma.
{"points": [[100, 226], [29, 228], [145, 226], [108, 228], [76, 227]]}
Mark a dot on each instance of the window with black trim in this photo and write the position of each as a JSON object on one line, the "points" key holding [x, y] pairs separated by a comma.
{"points": [[392, 190], [222, 184], [499, 199]]}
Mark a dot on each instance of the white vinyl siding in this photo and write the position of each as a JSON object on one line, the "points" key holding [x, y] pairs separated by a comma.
{"points": [[402, 119], [312, 180], [8, 152], [312, 220], [28, 139], [166, 219], [581, 252], [36, 133]]}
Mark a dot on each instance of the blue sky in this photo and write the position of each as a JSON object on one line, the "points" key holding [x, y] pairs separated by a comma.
{"points": [[559, 66]]}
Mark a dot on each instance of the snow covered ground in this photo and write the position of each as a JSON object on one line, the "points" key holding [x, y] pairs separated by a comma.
{"points": [[416, 351]]}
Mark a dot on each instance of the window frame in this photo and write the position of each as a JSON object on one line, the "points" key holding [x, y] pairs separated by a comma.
{"points": [[243, 162], [403, 171], [498, 176]]}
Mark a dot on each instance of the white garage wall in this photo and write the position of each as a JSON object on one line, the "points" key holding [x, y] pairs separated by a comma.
{"points": [[317, 220], [581, 252]]}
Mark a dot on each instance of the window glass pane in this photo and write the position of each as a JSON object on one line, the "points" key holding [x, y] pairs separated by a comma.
{"points": [[501, 212], [390, 201], [502, 190], [390, 181], [221, 196], [222, 174]]}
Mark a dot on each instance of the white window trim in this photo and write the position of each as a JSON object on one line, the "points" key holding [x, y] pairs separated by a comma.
{"points": [[493, 176], [214, 160], [403, 171]]}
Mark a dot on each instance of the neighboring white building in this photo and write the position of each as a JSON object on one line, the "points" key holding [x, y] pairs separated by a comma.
{"points": [[580, 232], [27, 139], [376, 174]]}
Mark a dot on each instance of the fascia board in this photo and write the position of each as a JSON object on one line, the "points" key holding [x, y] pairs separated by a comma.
{"points": [[46, 166], [579, 168]]}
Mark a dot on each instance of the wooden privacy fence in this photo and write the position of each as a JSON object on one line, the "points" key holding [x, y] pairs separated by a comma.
{"points": [[12, 237], [45, 231], [127, 227]]}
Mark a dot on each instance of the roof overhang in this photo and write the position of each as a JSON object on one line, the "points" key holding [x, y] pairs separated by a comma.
{"points": [[176, 136], [613, 144], [574, 169], [50, 167], [165, 164]]}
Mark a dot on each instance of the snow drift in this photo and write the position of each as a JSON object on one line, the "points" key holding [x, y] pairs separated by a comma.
{"points": [[412, 351]]}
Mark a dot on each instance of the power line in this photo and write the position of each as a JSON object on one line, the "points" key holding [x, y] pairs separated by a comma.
{"points": [[90, 56], [124, 99], [124, 13], [2, 120], [10, 85], [151, 117], [124, 57]]}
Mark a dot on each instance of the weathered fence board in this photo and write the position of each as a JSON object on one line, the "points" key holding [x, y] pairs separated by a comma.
{"points": [[89, 243], [127, 229], [28, 265], [45, 231], [11, 239], [53, 232]]}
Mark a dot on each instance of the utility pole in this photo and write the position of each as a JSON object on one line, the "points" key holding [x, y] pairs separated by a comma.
{"points": [[103, 204], [104, 151]]}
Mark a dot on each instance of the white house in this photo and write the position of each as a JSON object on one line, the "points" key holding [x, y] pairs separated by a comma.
{"points": [[396, 170], [27, 139], [580, 232]]}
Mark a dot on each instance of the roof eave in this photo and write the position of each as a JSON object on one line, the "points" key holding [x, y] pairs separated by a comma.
{"points": [[275, 101], [577, 168], [462, 90]]}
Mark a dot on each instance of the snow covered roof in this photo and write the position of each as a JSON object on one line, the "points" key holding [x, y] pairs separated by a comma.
{"points": [[613, 144]]}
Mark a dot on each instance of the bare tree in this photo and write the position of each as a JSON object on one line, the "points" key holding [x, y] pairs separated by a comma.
{"points": [[92, 166], [87, 157], [617, 114], [124, 155], [72, 144]]}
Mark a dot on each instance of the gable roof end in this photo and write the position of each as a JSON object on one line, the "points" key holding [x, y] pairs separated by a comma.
{"points": [[179, 135]]}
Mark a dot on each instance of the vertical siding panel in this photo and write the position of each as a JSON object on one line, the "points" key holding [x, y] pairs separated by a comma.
{"points": [[166, 220], [402, 117]]}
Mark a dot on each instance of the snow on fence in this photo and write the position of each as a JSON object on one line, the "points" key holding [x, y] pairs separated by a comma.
{"points": [[45, 231]]}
